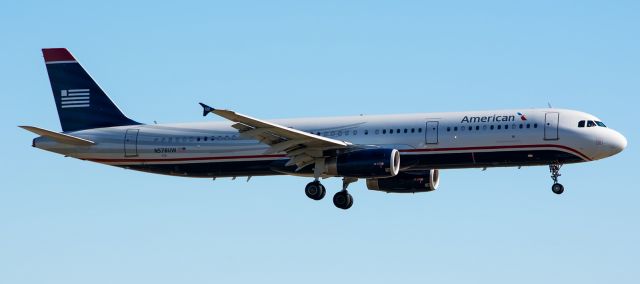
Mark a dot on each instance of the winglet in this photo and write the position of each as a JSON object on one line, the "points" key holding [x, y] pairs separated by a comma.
{"points": [[206, 109]]}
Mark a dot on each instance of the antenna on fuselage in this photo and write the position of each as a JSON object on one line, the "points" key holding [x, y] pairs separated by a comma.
{"points": [[549, 104]]}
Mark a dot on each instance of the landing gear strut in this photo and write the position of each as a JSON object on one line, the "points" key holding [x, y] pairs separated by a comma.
{"points": [[342, 199], [554, 168], [316, 191]]}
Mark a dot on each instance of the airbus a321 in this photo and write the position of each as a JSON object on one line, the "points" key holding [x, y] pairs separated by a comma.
{"points": [[400, 153]]}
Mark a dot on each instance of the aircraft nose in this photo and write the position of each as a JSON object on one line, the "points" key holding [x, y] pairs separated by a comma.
{"points": [[617, 142]]}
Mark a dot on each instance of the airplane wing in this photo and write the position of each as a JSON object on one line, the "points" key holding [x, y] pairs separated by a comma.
{"points": [[302, 147]]}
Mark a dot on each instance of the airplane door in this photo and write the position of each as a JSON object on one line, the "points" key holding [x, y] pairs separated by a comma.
{"points": [[551, 120], [431, 132], [131, 143]]}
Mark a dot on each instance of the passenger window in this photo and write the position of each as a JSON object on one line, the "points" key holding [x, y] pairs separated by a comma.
{"points": [[384, 131], [206, 138], [513, 126], [499, 126], [406, 130], [528, 125], [521, 126], [366, 132], [419, 130], [590, 123], [461, 128], [477, 127], [455, 128], [398, 131], [448, 129], [355, 132], [506, 126], [413, 130], [492, 127], [535, 125], [484, 127], [390, 131]]}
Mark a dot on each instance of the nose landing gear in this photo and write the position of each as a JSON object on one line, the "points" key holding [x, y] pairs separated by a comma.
{"points": [[554, 168]]}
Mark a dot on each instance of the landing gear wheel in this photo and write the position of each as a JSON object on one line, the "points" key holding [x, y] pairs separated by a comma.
{"points": [[323, 192], [343, 200], [350, 202], [557, 188], [315, 190]]}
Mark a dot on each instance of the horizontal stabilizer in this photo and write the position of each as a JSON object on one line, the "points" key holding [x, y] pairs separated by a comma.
{"points": [[59, 137]]}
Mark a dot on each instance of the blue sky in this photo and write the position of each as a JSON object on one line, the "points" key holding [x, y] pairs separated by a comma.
{"points": [[68, 221]]}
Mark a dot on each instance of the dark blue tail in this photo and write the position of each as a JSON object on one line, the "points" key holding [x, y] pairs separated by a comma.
{"points": [[80, 101]]}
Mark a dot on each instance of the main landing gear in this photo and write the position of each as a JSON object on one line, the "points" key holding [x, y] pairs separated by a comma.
{"points": [[554, 168], [315, 190], [342, 199]]}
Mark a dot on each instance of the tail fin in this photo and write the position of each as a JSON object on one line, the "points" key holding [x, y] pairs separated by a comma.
{"points": [[81, 103]]}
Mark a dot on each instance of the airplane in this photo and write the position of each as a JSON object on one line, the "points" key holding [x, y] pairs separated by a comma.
{"points": [[400, 153]]}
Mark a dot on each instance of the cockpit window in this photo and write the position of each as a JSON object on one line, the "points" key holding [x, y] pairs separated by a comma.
{"points": [[581, 123], [590, 123], [599, 123]]}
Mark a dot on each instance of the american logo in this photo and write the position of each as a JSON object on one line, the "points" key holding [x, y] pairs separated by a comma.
{"points": [[74, 98], [492, 118], [522, 116]]}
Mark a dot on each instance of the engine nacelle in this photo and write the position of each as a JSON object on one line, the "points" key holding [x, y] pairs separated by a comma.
{"points": [[366, 163], [407, 182]]}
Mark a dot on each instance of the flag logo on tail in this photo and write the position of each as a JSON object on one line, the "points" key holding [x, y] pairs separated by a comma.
{"points": [[74, 98]]}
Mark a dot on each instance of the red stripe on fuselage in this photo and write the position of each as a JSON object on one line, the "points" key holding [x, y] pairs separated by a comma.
{"points": [[404, 151], [189, 159]]}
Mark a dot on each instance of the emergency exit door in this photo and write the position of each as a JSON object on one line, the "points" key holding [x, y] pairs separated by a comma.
{"points": [[131, 143], [551, 120], [431, 132]]}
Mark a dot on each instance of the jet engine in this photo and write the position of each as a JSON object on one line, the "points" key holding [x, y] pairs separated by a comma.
{"points": [[366, 163], [407, 182]]}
